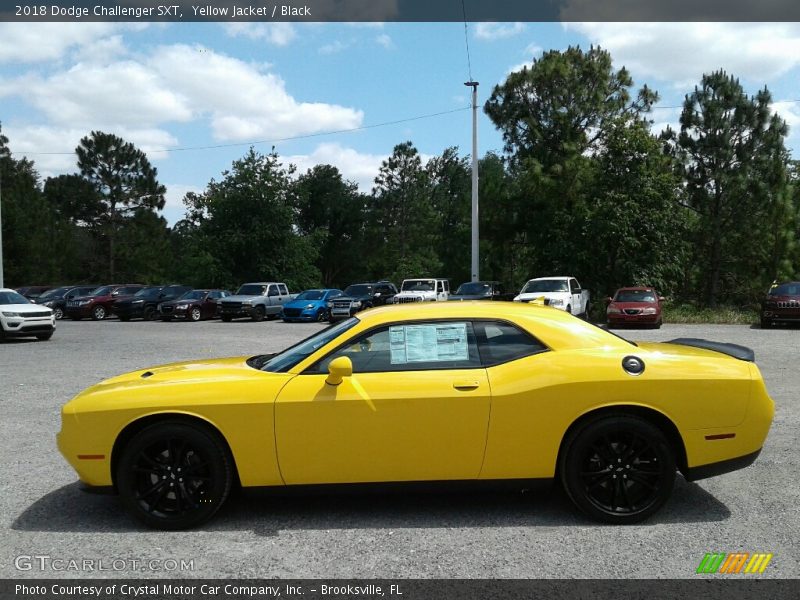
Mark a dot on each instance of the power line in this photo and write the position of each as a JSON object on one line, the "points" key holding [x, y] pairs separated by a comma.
{"points": [[466, 40], [276, 140]]}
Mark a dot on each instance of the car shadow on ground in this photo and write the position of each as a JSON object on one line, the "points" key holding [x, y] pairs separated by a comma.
{"points": [[68, 509]]}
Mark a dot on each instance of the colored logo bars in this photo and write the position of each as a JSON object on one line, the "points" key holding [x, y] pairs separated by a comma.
{"points": [[737, 562]]}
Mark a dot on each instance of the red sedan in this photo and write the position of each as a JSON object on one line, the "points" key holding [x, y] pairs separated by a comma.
{"points": [[635, 306]]}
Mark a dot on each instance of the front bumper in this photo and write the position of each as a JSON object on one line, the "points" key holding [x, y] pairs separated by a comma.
{"points": [[26, 328], [623, 319], [781, 314], [244, 311]]}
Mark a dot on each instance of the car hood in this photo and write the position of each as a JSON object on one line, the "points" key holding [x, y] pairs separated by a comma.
{"points": [[23, 308], [303, 303], [352, 298], [528, 296], [241, 298]]}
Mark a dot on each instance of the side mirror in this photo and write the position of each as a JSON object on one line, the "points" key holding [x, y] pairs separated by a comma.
{"points": [[338, 369], [661, 299], [608, 299]]}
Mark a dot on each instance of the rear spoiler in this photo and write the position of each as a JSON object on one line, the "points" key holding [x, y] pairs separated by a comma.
{"points": [[734, 350]]}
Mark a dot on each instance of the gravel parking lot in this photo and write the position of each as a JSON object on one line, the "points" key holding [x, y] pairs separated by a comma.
{"points": [[486, 535]]}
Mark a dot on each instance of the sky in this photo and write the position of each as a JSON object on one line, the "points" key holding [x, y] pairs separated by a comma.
{"points": [[196, 96]]}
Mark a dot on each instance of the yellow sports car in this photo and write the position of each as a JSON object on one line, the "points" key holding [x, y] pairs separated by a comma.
{"points": [[439, 392]]}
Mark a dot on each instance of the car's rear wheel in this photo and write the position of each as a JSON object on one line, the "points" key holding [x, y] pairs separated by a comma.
{"points": [[618, 469], [99, 313], [195, 314], [58, 312], [174, 475]]}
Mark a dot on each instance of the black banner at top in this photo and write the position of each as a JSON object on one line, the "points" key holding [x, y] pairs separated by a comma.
{"points": [[401, 10]]}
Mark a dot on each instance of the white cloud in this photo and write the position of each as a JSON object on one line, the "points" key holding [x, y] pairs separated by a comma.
{"points": [[385, 40], [277, 34], [533, 50], [354, 166], [37, 42], [179, 83], [497, 31], [334, 47], [682, 52], [789, 111]]}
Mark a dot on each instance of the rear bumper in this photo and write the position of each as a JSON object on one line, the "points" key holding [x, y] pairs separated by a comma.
{"points": [[721, 467]]}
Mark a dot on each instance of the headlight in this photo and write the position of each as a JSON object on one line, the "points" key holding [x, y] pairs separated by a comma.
{"points": [[48, 303], [308, 306], [649, 311], [357, 303], [329, 304], [613, 310], [82, 302], [181, 306], [517, 299], [11, 314], [556, 302]]}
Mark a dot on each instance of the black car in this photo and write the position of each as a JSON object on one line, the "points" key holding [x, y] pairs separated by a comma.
{"points": [[57, 298], [195, 305], [359, 296], [32, 292], [144, 304], [482, 290]]}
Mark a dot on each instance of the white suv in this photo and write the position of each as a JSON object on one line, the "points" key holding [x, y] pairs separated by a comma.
{"points": [[20, 318], [423, 290]]}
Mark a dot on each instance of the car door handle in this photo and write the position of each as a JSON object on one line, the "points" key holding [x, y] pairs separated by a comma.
{"points": [[466, 385]]}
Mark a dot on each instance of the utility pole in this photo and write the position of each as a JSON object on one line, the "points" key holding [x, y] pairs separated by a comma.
{"points": [[475, 224]]}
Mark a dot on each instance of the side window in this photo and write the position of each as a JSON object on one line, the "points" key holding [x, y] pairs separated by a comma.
{"points": [[447, 286], [214, 295], [410, 347], [573, 286], [502, 342], [273, 290], [333, 294], [283, 290]]}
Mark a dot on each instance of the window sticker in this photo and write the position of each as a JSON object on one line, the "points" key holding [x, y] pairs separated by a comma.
{"points": [[439, 342]]}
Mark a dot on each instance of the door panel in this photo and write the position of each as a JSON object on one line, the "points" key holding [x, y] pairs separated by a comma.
{"points": [[386, 426]]}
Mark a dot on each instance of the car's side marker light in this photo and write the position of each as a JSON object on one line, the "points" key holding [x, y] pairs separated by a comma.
{"points": [[721, 436]]}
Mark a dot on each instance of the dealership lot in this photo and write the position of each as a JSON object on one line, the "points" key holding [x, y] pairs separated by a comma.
{"points": [[403, 535]]}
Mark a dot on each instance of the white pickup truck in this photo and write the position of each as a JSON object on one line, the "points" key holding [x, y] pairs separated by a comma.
{"points": [[423, 290], [559, 292]]}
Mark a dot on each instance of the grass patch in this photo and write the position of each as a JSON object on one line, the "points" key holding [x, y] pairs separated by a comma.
{"points": [[728, 315]]}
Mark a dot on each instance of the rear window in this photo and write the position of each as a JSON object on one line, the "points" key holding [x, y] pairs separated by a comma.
{"points": [[501, 342]]}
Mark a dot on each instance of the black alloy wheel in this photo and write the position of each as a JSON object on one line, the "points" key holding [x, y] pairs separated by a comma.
{"points": [[195, 314], [99, 312], [149, 313], [174, 475], [58, 313], [618, 469], [322, 315]]}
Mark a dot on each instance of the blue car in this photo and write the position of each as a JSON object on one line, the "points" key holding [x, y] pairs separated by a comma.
{"points": [[311, 305]]}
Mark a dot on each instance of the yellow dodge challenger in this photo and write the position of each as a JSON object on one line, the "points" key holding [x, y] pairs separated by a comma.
{"points": [[475, 392]]}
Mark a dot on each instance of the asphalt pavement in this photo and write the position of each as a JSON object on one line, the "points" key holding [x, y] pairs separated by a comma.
{"points": [[446, 535]]}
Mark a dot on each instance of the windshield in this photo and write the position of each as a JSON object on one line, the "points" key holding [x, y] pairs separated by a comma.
{"points": [[311, 295], [252, 289], [418, 285], [475, 288], [360, 289], [786, 289], [194, 295], [545, 285], [635, 296], [148, 293], [102, 291], [280, 363], [13, 298], [56, 293]]}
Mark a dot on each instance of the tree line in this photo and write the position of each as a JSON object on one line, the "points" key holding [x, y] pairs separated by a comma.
{"points": [[709, 212]]}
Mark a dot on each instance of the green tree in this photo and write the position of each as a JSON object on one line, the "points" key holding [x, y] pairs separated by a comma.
{"points": [[401, 220], [245, 224], [123, 179], [331, 209], [732, 157]]}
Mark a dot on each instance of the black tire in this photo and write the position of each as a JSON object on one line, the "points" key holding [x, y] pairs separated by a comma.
{"points": [[322, 316], [658, 325], [194, 314], [43, 337], [618, 469], [766, 323], [226, 318], [58, 313], [569, 308], [258, 314], [152, 468], [149, 313], [99, 313]]}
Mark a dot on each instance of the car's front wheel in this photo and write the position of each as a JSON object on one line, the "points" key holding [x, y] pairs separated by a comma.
{"points": [[618, 469], [174, 475], [99, 313], [195, 314], [58, 313]]}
